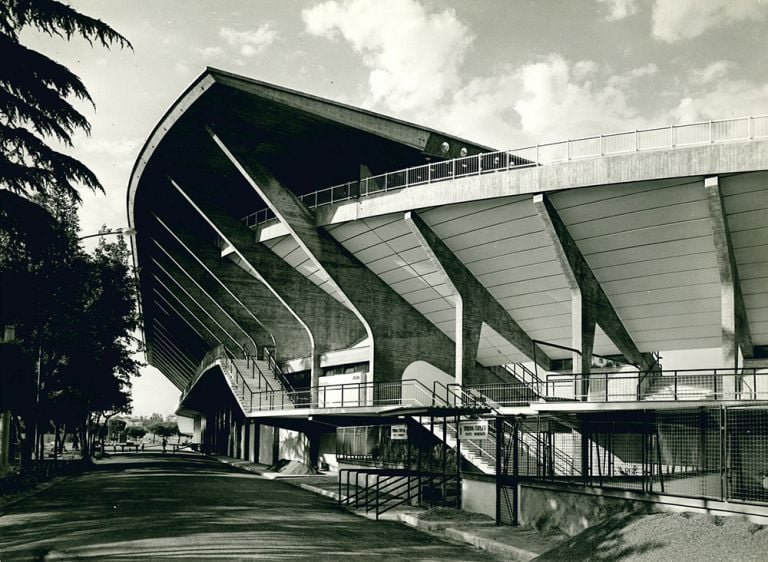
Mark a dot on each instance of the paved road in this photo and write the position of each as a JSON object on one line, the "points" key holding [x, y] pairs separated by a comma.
{"points": [[149, 507]]}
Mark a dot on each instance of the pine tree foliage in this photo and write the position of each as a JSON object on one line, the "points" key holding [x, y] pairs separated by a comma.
{"points": [[36, 96]]}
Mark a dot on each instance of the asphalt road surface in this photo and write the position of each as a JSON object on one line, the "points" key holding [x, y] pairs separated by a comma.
{"points": [[150, 507]]}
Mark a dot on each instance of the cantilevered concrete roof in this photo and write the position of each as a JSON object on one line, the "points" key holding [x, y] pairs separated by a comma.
{"points": [[305, 141]]}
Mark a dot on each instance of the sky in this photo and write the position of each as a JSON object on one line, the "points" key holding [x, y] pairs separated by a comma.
{"points": [[505, 73]]}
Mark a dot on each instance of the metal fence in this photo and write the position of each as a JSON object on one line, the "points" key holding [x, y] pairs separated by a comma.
{"points": [[672, 136], [713, 453]]}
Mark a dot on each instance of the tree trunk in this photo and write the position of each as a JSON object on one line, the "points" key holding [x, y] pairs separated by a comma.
{"points": [[5, 440]]}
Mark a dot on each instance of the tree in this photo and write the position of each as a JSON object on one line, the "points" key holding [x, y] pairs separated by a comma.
{"points": [[40, 261], [115, 427], [35, 93], [136, 432]]}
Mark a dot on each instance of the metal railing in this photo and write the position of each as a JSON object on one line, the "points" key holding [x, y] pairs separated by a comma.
{"points": [[407, 393], [672, 136], [241, 387], [276, 370], [381, 489], [744, 384]]}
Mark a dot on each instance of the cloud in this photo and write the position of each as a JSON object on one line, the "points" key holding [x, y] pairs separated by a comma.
{"points": [[544, 100], [715, 93], [620, 9], [413, 54], [712, 72], [674, 20], [558, 98], [182, 68], [249, 43], [208, 53]]}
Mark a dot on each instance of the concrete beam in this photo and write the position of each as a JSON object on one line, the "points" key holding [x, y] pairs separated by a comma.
{"points": [[197, 308], [323, 318], [735, 323], [474, 305], [399, 334], [257, 301], [590, 304], [183, 311], [161, 300], [179, 353], [251, 334], [178, 376]]}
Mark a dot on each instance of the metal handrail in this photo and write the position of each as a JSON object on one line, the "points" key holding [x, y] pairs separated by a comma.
{"points": [[685, 384], [253, 365], [276, 370], [409, 392], [672, 136]]}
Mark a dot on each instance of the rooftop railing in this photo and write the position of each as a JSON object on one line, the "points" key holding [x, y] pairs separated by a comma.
{"points": [[672, 136]]}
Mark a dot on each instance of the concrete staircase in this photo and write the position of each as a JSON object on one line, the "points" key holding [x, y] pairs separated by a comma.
{"points": [[481, 453], [257, 386]]}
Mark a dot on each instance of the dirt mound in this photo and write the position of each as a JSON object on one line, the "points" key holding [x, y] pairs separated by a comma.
{"points": [[681, 537], [284, 466]]}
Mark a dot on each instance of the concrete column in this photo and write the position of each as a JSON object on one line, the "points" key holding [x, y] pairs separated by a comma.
{"points": [[589, 300], [735, 330], [252, 333], [583, 323]]}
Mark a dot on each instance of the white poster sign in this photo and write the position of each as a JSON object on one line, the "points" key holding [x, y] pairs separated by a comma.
{"points": [[473, 429], [398, 432]]}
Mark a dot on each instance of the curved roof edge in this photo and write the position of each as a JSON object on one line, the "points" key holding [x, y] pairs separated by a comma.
{"points": [[212, 76]]}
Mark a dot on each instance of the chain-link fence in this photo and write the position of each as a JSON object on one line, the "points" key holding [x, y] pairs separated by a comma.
{"points": [[714, 453]]}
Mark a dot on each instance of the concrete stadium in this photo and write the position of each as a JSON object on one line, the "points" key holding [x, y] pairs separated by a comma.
{"points": [[459, 324]]}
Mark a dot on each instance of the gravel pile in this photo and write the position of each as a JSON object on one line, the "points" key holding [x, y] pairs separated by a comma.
{"points": [[678, 537]]}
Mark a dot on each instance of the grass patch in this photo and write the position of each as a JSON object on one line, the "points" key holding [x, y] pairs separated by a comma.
{"points": [[450, 514]]}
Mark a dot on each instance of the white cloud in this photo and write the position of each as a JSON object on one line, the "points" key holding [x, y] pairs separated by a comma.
{"points": [[539, 101], [674, 20], [620, 9], [208, 53], [722, 99], [413, 54], [251, 42], [182, 68], [559, 100], [713, 71]]}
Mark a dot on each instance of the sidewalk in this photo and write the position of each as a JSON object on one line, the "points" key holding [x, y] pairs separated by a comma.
{"points": [[511, 543]]}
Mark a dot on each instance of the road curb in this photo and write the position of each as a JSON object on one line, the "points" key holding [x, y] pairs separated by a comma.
{"points": [[413, 521], [510, 552]]}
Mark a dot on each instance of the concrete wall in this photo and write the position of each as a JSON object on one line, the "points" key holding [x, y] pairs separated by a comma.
{"points": [[266, 444], [327, 450], [571, 510], [478, 496], [294, 445]]}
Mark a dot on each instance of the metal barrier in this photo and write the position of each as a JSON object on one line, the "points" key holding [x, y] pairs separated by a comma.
{"points": [[384, 489], [716, 453], [672, 136], [744, 384], [350, 395]]}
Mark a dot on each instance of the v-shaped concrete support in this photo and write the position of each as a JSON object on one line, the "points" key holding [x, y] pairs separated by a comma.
{"points": [[399, 334], [474, 304]]}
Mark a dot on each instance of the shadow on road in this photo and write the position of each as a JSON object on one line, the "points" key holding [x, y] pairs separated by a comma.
{"points": [[186, 507]]}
